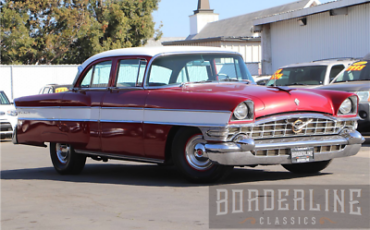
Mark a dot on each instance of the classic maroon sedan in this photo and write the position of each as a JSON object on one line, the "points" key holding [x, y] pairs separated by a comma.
{"points": [[197, 108]]}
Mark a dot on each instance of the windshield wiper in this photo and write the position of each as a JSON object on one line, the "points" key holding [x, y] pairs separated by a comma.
{"points": [[296, 83], [194, 82], [285, 89], [352, 80], [236, 80]]}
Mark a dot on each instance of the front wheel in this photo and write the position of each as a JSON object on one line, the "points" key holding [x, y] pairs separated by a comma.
{"points": [[195, 167], [65, 159], [307, 168]]}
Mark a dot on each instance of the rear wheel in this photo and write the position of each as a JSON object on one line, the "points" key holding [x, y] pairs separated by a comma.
{"points": [[196, 167], [307, 168], [65, 159]]}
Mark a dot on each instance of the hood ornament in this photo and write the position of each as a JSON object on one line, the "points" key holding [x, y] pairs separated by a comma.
{"points": [[296, 102]]}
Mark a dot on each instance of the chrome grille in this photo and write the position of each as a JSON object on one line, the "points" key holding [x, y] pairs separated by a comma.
{"points": [[285, 128], [286, 151]]}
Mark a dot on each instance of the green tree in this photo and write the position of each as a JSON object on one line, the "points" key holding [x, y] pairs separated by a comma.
{"points": [[70, 31]]}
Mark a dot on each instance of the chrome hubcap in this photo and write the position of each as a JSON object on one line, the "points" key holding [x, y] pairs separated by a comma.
{"points": [[63, 152], [195, 156]]}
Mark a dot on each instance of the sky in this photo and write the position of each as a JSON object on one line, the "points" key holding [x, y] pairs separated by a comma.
{"points": [[174, 14]]}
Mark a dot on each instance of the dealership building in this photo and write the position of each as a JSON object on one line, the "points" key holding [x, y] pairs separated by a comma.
{"points": [[336, 29]]}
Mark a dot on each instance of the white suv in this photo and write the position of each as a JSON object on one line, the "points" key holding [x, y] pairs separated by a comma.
{"points": [[310, 74], [8, 116]]}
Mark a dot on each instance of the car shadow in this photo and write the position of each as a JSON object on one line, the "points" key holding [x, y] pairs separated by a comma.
{"points": [[6, 140], [144, 175]]}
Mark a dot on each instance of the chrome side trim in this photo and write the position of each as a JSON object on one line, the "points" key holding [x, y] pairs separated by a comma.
{"points": [[56, 119], [123, 108], [119, 157], [183, 124], [119, 121], [190, 110], [45, 107]]}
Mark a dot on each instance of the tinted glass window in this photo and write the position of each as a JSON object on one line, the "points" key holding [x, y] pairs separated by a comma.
{"points": [[130, 73], [359, 71], [97, 76], [159, 75], [4, 99], [178, 69], [101, 74], [335, 70], [46, 90], [87, 79], [307, 75]]}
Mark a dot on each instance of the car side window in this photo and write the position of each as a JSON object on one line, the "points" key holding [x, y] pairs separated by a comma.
{"points": [[97, 76], [335, 70], [101, 74], [46, 90], [159, 75], [87, 79], [130, 73]]}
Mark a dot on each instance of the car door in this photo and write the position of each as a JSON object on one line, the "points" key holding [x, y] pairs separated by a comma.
{"points": [[122, 110], [81, 107]]}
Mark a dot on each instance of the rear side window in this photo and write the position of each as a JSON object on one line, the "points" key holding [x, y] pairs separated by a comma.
{"points": [[97, 76], [131, 73]]}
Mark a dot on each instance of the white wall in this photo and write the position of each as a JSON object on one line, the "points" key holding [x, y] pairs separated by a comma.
{"points": [[200, 20], [251, 51], [27, 79], [324, 36]]}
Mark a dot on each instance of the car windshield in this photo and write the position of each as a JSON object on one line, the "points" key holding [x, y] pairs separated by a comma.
{"points": [[359, 71], [4, 99], [307, 75], [198, 68]]}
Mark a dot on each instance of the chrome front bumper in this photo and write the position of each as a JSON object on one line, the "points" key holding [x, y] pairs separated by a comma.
{"points": [[242, 150]]}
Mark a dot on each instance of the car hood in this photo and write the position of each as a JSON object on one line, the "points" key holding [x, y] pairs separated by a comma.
{"points": [[353, 86], [267, 100], [5, 108]]}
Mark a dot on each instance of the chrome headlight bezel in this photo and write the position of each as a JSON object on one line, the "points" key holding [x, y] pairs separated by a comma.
{"points": [[247, 114], [348, 106]]}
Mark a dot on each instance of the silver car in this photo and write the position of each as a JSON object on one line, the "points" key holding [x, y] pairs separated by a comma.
{"points": [[356, 79], [310, 74]]}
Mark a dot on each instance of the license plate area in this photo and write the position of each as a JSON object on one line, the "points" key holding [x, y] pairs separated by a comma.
{"points": [[302, 154]]}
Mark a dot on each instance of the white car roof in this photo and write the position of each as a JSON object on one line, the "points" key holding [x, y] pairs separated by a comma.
{"points": [[153, 51]]}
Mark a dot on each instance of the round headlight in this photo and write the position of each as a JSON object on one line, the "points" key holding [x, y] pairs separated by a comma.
{"points": [[241, 111], [346, 106]]}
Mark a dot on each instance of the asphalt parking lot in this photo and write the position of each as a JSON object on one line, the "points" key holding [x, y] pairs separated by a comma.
{"points": [[126, 195]]}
